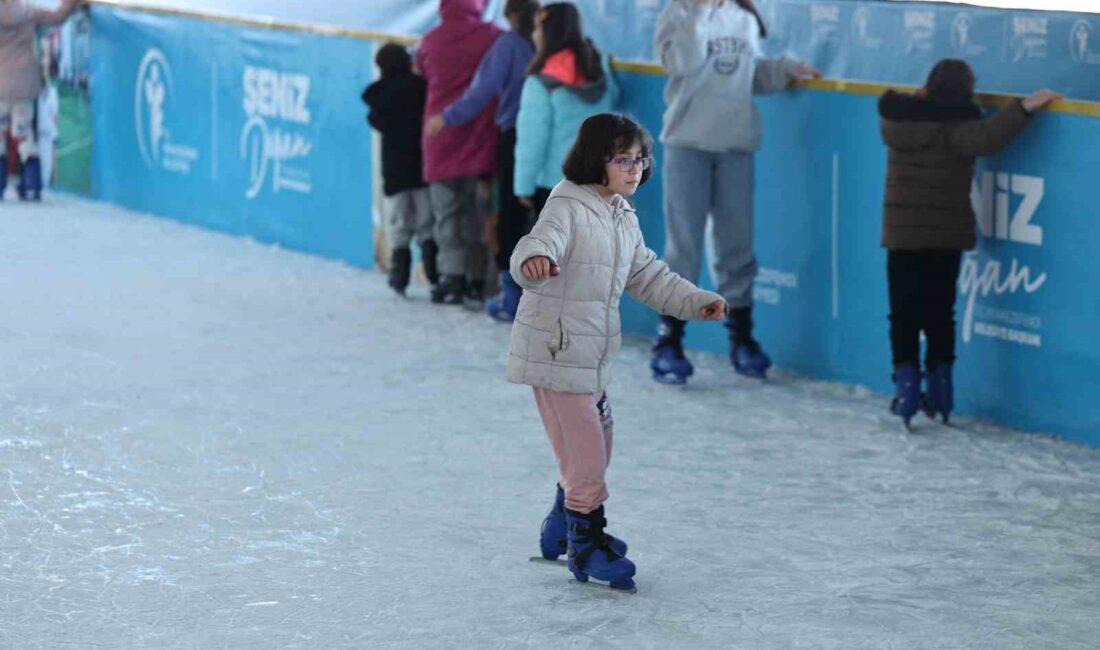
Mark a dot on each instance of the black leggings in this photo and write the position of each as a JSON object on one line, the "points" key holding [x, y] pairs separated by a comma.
{"points": [[513, 218], [922, 297]]}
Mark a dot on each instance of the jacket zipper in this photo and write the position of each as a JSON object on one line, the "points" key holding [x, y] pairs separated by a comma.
{"points": [[615, 219]]}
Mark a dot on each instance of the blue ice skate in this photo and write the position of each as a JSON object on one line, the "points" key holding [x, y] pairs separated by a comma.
{"points": [[503, 307], [749, 360], [553, 538], [669, 365], [747, 357], [907, 398], [590, 553], [939, 398]]}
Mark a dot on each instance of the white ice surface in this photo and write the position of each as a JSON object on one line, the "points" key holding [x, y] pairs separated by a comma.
{"points": [[210, 443]]}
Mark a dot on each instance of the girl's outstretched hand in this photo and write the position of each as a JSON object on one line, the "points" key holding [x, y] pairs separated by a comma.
{"points": [[714, 311], [540, 268]]}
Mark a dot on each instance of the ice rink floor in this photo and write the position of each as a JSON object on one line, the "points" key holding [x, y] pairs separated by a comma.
{"points": [[207, 442]]}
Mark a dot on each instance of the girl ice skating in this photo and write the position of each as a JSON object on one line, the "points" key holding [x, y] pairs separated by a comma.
{"points": [[585, 250]]}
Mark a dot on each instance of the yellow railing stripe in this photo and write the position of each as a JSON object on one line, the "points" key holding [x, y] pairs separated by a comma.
{"points": [[1069, 106], [262, 22]]}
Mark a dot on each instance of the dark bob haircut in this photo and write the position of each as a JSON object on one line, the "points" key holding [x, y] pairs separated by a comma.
{"points": [[601, 137]]}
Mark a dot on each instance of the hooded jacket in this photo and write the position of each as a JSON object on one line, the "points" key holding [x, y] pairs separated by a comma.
{"points": [[552, 107], [930, 168], [397, 112], [448, 57], [567, 328], [714, 63]]}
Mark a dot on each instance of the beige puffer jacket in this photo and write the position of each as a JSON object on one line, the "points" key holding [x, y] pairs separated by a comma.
{"points": [[567, 328]]}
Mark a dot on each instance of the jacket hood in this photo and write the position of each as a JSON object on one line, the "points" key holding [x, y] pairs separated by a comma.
{"points": [[461, 10], [590, 197], [588, 91], [912, 123], [912, 108]]}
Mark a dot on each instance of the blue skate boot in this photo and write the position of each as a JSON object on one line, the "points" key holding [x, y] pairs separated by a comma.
{"points": [[30, 183], [590, 552], [745, 353], [669, 365], [907, 398], [503, 307], [553, 539], [939, 397]]}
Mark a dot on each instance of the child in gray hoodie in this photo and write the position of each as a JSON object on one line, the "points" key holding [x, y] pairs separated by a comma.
{"points": [[711, 50]]}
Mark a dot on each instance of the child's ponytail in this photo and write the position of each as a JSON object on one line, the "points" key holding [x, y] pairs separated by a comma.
{"points": [[750, 6]]}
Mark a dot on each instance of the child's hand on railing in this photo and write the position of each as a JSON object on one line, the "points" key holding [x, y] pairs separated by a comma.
{"points": [[540, 268], [1040, 99]]}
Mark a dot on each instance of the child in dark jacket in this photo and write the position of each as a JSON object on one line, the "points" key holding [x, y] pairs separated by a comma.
{"points": [[396, 103], [933, 137]]}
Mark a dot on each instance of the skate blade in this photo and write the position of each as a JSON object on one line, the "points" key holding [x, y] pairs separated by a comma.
{"points": [[592, 582], [595, 583], [541, 560], [750, 374], [669, 379]]}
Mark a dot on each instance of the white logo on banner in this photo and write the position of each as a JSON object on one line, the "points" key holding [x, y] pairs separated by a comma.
{"points": [[861, 26], [962, 39], [274, 102], [920, 28], [1029, 38], [993, 200], [825, 22], [960, 32], [152, 94], [1079, 38], [770, 283]]}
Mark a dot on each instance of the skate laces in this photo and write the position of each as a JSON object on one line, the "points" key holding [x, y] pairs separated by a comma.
{"points": [[596, 539]]}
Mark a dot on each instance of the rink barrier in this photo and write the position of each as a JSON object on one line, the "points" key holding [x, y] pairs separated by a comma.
{"points": [[821, 293], [1068, 106]]}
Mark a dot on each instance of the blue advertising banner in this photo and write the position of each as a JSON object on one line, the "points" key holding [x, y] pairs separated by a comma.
{"points": [[871, 40], [897, 42], [261, 132], [254, 132]]}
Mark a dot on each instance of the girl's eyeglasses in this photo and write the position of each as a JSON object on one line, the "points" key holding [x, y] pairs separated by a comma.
{"points": [[627, 164]]}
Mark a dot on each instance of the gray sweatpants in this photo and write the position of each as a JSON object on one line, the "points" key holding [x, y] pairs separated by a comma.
{"points": [[459, 226], [700, 183], [408, 213]]}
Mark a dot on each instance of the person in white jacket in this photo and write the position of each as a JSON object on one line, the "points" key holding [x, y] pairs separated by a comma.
{"points": [[47, 114], [585, 250], [711, 50]]}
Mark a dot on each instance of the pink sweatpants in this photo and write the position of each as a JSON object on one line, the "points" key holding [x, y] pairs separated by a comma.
{"points": [[579, 427]]}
